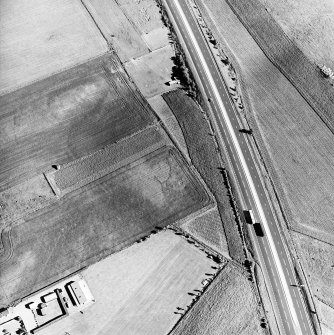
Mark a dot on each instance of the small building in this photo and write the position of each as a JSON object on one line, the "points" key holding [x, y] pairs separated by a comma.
{"points": [[77, 293], [13, 327]]}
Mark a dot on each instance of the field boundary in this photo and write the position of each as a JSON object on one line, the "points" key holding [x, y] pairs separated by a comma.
{"points": [[152, 135]]}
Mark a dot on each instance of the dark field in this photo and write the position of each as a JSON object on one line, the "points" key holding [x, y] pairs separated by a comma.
{"points": [[96, 220], [65, 117], [204, 156]]}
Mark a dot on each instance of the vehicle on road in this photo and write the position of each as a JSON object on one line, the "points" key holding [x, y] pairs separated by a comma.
{"points": [[249, 216], [258, 229], [246, 131]]}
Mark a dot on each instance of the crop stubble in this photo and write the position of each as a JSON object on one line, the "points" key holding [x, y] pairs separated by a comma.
{"points": [[299, 144], [310, 24], [96, 220], [151, 71], [145, 16], [65, 117], [318, 260], [229, 306]]}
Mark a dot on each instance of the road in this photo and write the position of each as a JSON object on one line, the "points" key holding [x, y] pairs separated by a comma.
{"points": [[271, 250]]}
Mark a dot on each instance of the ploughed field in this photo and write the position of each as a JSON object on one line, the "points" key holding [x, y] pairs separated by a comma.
{"points": [[65, 117]]}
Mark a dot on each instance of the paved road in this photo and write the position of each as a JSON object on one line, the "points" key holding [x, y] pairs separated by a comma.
{"points": [[274, 257]]}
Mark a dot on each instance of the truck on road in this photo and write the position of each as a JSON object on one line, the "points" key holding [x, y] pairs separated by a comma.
{"points": [[249, 217]]}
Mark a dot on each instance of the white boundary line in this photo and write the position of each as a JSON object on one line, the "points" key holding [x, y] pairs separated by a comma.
{"points": [[246, 171]]}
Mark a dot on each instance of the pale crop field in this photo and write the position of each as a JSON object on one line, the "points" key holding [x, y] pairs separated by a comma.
{"points": [[117, 29], [300, 146], [151, 71], [208, 229], [318, 260], [229, 306], [145, 17], [310, 24], [42, 37], [144, 14], [156, 38], [138, 290], [23, 198]]}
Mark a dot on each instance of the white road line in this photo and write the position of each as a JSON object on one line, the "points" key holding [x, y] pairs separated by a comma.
{"points": [[246, 171]]}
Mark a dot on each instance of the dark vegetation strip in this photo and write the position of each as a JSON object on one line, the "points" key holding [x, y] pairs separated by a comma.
{"points": [[205, 158], [109, 158], [182, 71], [287, 57]]}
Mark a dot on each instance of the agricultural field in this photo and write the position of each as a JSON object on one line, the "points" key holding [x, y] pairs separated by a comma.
{"points": [[209, 230], [204, 157], [42, 38], [309, 24], [229, 306], [26, 197], [65, 117], [93, 221], [151, 71], [86, 169], [299, 70], [295, 141], [318, 260], [141, 290], [326, 316], [116, 28], [145, 16], [167, 117]]}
